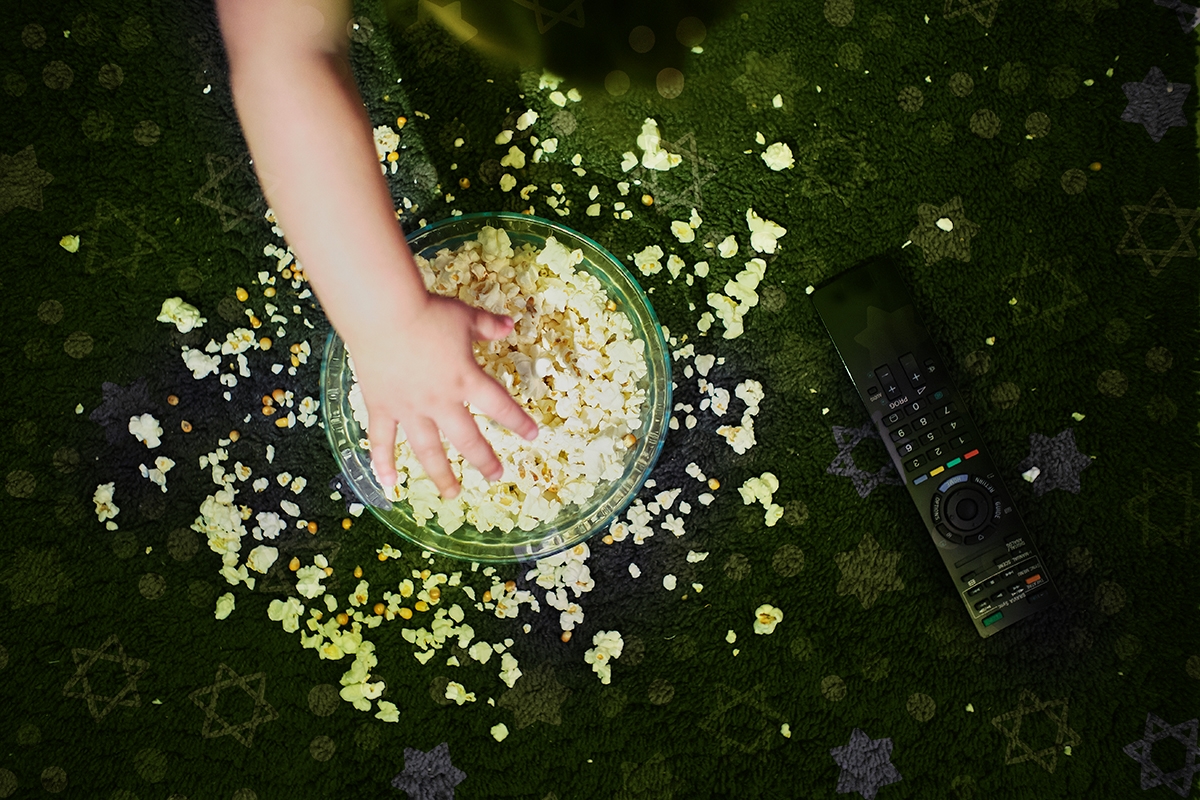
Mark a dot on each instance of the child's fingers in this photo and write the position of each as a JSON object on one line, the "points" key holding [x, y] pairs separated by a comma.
{"points": [[426, 443], [460, 428], [383, 446], [491, 398], [486, 326]]}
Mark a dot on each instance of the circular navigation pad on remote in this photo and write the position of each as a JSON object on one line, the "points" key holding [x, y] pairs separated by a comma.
{"points": [[964, 509]]}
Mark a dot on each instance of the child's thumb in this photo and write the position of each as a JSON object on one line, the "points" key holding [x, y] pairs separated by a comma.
{"points": [[488, 326]]}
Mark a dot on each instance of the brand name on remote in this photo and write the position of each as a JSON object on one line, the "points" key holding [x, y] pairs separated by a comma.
{"points": [[892, 406]]}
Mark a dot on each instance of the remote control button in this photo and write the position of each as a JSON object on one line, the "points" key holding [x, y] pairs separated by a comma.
{"points": [[920, 480], [915, 407], [923, 421], [904, 448], [1000, 596], [1038, 596], [952, 426], [893, 418], [971, 454], [938, 395], [974, 591], [914, 463], [901, 433], [993, 619], [954, 463], [929, 438], [948, 535], [967, 576], [938, 453], [975, 538], [873, 390], [920, 390], [984, 604], [937, 471], [911, 370], [890, 387], [946, 410], [966, 508], [946, 484]]}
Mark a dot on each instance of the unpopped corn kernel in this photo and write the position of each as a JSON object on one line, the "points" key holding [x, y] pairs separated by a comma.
{"points": [[358, 572], [647, 200], [405, 612], [294, 564], [242, 294], [312, 528], [343, 618], [421, 605], [172, 400], [346, 523], [379, 609], [714, 484], [185, 426]]}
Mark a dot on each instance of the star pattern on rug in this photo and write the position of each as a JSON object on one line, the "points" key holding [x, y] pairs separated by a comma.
{"points": [[1155, 489], [843, 464], [537, 696], [936, 243], [866, 765], [572, 14], [766, 77], [1155, 103], [22, 181], [1058, 460], [984, 11], [718, 722], [227, 678], [219, 168], [101, 234], [119, 404], [100, 705], [1029, 703], [1141, 751], [429, 775], [833, 165], [1182, 247], [1045, 291], [1188, 16], [670, 190], [885, 327], [868, 572]]}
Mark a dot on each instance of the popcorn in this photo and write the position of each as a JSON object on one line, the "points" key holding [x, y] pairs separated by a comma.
{"points": [[728, 247], [607, 646], [225, 604], [386, 141], [653, 155], [761, 489], [308, 582], [458, 693], [683, 232], [527, 119], [763, 232], [739, 297], [70, 243], [570, 361], [261, 558], [647, 260], [515, 158], [286, 611], [766, 617], [184, 316], [147, 430], [106, 509], [778, 157], [499, 731], [508, 669]]}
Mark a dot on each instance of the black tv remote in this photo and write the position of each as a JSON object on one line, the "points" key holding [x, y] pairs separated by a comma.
{"points": [[934, 445]]}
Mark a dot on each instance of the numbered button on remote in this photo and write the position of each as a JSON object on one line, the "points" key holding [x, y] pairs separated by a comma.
{"points": [[901, 434], [952, 426], [945, 410]]}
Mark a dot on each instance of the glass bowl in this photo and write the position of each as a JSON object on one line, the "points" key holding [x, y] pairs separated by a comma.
{"points": [[575, 523]]}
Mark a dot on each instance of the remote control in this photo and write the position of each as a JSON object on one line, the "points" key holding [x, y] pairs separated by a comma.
{"points": [[934, 445]]}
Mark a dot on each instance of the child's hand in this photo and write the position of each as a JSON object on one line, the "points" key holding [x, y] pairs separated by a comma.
{"points": [[419, 371]]}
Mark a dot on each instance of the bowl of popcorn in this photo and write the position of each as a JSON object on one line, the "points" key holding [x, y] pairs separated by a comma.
{"points": [[586, 359]]}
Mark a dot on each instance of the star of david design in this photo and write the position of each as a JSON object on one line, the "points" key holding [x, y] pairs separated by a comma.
{"points": [[866, 765], [572, 14], [1155, 488], [1064, 295], [885, 327], [22, 181], [668, 197], [843, 464], [1058, 460], [868, 572], [1156, 103], [717, 722], [1157, 729], [1188, 16], [936, 243], [537, 696], [1182, 247], [85, 659], [766, 77], [219, 167], [99, 232], [1047, 757], [984, 11], [244, 732], [429, 775]]}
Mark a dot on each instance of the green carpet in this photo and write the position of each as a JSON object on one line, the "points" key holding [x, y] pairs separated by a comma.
{"points": [[1059, 139]]}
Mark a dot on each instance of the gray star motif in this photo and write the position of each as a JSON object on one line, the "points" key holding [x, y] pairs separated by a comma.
{"points": [[1156, 104], [866, 765], [1059, 461], [937, 243], [22, 181], [429, 775], [864, 482], [1189, 16], [1157, 729]]}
